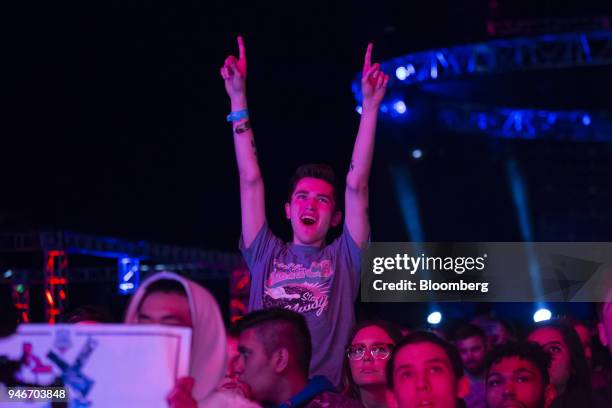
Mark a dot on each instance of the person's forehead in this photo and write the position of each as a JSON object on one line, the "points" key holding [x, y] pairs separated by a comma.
{"points": [[314, 185], [471, 342], [509, 365], [545, 335], [160, 301], [372, 334], [420, 353]]}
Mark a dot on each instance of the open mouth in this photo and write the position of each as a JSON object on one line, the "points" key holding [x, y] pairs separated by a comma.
{"points": [[308, 219]]}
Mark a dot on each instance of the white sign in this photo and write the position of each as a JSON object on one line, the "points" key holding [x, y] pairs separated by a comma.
{"points": [[101, 365]]}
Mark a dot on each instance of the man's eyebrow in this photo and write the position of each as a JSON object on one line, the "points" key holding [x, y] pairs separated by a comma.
{"points": [[553, 343], [403, 366], [524, 370], [438, 360]]}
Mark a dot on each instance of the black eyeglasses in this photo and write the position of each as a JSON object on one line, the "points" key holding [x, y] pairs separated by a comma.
{"points": [[377, 351]]}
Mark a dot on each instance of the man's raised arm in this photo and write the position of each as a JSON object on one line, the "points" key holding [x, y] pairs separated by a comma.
{"points": [[252, 202], [373, 86]]}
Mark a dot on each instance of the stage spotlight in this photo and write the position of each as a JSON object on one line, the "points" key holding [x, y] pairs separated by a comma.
{"points": [[399, 107], [542, 315], [358, 109], [417, 154], [401, 73], [8, 274], [586, 120], [433, 71], [434, 318]]}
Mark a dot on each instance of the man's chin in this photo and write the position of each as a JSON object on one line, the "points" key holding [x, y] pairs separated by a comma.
{"points": [[511, 404]]}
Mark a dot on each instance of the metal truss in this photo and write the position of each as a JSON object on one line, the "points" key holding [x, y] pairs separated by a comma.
{"points": [[526, 123], [469, 62], [109, 247], [117, 248], [78, 275], [498, 56]]}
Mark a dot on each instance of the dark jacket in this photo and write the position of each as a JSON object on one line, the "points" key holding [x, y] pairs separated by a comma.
{"points": [[319, 392]]}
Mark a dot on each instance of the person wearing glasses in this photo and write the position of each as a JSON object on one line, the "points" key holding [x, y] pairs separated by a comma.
{"points": [[370, 347]]}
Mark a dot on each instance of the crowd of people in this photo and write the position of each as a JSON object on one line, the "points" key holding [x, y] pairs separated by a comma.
{"points": [[266, 359]]}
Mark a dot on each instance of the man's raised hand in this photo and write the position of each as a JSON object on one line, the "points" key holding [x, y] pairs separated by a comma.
{"points": [[373, 82], [234, 72]]}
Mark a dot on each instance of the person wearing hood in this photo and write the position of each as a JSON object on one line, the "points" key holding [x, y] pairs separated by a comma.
{"points": [[169, 299]]}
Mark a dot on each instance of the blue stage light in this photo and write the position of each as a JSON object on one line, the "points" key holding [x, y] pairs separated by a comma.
{"points": [[401, 73], [399, 107], [586, 120], [417, 154], [542, 315], [434, 318]]}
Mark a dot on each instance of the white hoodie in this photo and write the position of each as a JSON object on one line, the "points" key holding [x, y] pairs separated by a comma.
{"points": [[208, 342]]}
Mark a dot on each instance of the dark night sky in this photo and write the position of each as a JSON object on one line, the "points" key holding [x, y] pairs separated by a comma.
{"points": [[117, 109]]}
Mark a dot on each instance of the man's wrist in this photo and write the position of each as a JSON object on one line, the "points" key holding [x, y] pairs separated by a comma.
{"points": [[239, 103], [366, 108]]}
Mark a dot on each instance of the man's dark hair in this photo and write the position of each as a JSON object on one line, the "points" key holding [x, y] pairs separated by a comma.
{"points": [[525, 350], [466, 331], [419, 337], [90, 313], [318, 171], [277, 328]]}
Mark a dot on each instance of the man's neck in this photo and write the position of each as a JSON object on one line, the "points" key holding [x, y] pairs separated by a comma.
{"points": [[318, 244], [289, 386], [373, 397]]}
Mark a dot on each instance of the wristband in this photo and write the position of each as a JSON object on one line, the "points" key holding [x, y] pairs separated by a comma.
{"points": [[241, 114]]}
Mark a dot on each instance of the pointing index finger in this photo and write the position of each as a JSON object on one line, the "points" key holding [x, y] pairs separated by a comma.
{"points": [[241, 49], [368, 57]]}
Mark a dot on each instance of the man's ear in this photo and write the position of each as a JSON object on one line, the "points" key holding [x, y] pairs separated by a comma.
{"points": [[288, 211], [463, 387], [336, 218], [280, 360], [391, 400]]}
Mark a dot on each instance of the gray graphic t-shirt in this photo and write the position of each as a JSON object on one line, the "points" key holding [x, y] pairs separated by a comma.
{"points": [[321, 284]]}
